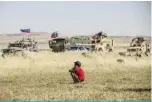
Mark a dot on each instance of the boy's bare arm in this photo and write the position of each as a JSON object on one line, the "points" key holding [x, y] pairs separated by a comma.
{"points": [[72, 70]]}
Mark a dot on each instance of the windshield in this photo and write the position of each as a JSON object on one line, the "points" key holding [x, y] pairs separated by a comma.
{"points": [[54, 34], [77, 48], [74, 48], [59, 40]]}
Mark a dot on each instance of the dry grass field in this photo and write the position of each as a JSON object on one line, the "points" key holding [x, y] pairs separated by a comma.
{"points": [[45, 76]]}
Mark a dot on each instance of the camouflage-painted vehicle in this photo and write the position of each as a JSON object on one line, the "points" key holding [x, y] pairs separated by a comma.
{"points": [[102, 43], [138, 46], [59, 44], [20, 46], [97, 42]]}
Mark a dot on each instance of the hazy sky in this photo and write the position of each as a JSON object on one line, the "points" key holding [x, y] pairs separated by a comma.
{"points": [[72, 18]]}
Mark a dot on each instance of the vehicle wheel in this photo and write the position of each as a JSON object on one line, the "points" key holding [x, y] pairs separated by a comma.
{"points": [[3, 55], [110, 50], [100, 49]]}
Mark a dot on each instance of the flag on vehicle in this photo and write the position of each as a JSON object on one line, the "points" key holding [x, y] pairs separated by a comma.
{"points": [[25, 30], [95, 36], [54, 35]]}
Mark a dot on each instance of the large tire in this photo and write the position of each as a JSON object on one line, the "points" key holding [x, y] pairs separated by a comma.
{"points": [[3, 55], [50, 43], [100, 49]]}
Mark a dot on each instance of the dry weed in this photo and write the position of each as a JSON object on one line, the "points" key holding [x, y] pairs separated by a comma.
{"points": [[44, 76]]}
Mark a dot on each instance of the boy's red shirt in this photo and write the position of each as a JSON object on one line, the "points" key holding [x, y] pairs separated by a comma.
{"points": [[80, 73]]}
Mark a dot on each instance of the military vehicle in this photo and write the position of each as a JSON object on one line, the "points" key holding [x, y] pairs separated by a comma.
{"points": [[97, 42], [101, 42], [54, 35], [59, 44], [138, 46], [20, 46]]}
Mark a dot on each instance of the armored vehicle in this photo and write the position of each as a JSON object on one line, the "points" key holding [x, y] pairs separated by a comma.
{"points": [[97, 42], [138, 46], [101, 42], [59, 44], [20, 46]]}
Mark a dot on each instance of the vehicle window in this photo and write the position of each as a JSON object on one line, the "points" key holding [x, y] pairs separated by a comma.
{"points": [[81, 48], [74, 48]]}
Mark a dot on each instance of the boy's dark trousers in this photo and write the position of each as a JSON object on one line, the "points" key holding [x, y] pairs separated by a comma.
{"points": [[75, 78]]}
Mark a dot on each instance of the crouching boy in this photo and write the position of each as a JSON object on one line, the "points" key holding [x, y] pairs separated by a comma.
{"points": [[77, 73]]}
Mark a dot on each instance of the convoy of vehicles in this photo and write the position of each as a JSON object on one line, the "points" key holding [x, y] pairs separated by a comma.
{"points": [[57, 43], [97, 42]]}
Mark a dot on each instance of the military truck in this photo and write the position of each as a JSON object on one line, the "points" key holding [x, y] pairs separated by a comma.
{"points": [[97, 42], [138, 46], [59, 44], [20, 46], [102, 42]]}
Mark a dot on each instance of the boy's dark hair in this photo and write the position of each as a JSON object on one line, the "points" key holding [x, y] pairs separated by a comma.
{"points": [[78, 63]]}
